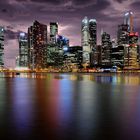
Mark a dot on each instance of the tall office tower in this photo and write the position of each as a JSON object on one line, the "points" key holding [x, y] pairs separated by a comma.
{"points": [[106, 49], [85, 41], [55, 51], [131, 55], [23, 50], [30, 48], [118, 51], [93, 41], [123, 34], [128, 20], [1, 46], [131, 51], [37, 45], [53, 32], [93, 33]]}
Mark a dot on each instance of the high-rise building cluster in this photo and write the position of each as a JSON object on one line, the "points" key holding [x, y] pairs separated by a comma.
{"points": [[42, 48], [123, 52]]}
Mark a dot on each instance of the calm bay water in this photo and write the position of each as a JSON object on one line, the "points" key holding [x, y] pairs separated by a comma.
{"points": [[70, 106]]}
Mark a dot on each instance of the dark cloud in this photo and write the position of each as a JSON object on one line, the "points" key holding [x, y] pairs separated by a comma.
{"points": [[48, 1], [81, 2], [120, 1], [4, 10], [9, 27]]}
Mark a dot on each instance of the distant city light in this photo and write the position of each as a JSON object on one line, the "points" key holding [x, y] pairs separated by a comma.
{"points": [[22, 34], [21, 68], [2, 29], [65, 48], [92, 20], [127, 13]]}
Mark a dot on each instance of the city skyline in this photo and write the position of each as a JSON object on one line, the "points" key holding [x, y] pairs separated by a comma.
{"points": [[16, 16]]}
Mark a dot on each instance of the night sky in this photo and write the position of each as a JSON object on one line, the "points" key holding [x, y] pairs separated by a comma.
{"points": [[18, 15]]}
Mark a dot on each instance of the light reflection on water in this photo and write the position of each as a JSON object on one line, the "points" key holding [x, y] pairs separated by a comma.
{"points": [[70, 106]]}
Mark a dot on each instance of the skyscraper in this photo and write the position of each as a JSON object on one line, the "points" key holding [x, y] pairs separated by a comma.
{"points": [[23, 50], [37, 37], [55, 46], [85, 41], [93, 41], [1, 46], [106, 49], [131, 49], [30, 48], [93, 32], [89, 41], [128, 20], [53, 32], [123, 34]]}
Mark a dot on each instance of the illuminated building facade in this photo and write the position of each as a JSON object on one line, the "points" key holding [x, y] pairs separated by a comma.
{"points": [[55, 52], [51, 54], [118, 50], [128, 20], [93, 41], [106, 49], [89, 41], [131, 51], [123, 34], [30, 48], [127, 51], [85, 41], [1, 46], [131, 55], [73, 56], [54, 55], [55, 47], [37, 37], [93, 33], [53, 32], [117, 56], [23, 50]]}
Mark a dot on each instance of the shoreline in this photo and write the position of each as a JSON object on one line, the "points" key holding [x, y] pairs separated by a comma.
{"points": [[118, 72]]}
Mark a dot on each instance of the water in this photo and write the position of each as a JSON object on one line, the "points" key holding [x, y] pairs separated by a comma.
{"points": [[70, 106]]}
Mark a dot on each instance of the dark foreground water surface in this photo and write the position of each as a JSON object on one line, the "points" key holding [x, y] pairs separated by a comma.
{"points": [[70, 107]]}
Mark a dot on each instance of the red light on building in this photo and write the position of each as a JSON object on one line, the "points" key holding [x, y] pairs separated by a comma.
{"points": [[131, 34], [136, 34], [132, 45]]}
